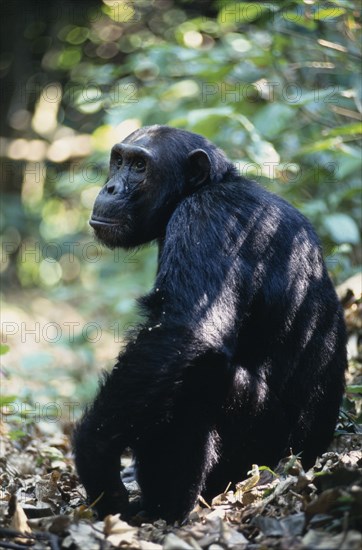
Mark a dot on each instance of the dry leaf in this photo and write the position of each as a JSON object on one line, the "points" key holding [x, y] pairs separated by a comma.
{"points": [[118, 531], [248, 484], [19, 521]]}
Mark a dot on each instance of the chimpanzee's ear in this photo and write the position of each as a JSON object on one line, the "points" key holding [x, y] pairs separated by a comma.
{"points": [[198, 169]]}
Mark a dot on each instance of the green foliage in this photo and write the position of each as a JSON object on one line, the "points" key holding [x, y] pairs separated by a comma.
{"points": [[4, 349], [274, 84]]}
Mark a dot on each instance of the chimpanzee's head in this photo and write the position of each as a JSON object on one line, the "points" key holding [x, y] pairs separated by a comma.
{"points": [[151, 171]]}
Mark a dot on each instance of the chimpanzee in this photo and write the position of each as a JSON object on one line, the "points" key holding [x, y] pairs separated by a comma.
{"points": [[241, 353]]}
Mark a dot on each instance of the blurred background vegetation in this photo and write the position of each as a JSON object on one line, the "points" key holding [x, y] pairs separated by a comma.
{"points": [[276, 84]]}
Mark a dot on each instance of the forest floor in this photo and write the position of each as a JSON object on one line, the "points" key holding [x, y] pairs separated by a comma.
{"points": [[43, 506]]}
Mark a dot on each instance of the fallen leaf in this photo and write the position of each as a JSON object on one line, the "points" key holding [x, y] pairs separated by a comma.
{"points": [[118, 531]]}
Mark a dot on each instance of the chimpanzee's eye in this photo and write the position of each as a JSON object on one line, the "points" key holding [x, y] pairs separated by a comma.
{"points": [[139, 165], [119, 161]]}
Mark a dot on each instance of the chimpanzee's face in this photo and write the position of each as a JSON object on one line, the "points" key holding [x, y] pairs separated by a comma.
{"points": [[147, 179]]}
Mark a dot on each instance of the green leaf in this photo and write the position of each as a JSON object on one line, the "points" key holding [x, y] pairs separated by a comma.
{"points": [[263, 152], [15, 435], [273, 119], [204, 121], [342, 228], [354, 388], [346, 130], [6, 400], [313, 208], [348, 165], [4, 349], [330, 143], [267, 469], [328, 13]]}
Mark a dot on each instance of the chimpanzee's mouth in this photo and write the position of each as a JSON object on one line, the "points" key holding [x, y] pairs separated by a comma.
{"points": [[103, 222]]}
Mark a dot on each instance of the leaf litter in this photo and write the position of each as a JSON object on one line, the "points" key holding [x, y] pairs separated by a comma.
{"points": [[42, 504]]}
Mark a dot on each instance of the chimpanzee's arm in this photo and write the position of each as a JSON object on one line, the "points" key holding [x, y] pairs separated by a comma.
{"points": [[132, 399]]}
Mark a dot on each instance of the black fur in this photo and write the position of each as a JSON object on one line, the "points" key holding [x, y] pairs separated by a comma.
{"points": [[242, 353]]}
